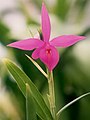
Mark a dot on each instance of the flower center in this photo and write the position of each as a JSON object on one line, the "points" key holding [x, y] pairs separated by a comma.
{"points": [[48, 51]]}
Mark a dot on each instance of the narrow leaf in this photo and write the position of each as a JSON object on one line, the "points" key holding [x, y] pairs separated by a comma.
{"points": [[30, 106], [38, 66], [67, 105], [21, 79]]}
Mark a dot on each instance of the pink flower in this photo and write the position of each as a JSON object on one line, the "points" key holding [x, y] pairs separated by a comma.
{"points": [[46, 49]]}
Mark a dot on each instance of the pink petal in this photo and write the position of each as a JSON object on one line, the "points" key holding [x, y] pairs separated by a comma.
{"points": [[46, 27], [49, 56], [28, 44], [66, 40], [35, 54]]}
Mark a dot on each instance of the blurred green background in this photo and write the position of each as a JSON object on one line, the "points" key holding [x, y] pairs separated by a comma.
{"points": [[72, 74]]}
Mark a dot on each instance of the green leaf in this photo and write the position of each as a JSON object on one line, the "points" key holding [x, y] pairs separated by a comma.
{"points": [[4, 33], [21, 79], [30, 106], [62, 9], [69, 104]]}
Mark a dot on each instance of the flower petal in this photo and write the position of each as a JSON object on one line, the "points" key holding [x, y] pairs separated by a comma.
{"points": [[28, 44], [46, 27], [49, 56], [66, 40], [35, 54]]}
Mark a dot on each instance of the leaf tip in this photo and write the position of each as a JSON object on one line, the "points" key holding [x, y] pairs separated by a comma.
{"points": [[5, 60], [26, 55], [27, 86], [30, 58]]}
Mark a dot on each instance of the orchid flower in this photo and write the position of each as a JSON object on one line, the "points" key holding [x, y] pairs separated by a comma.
{"points": [[45, 49]]}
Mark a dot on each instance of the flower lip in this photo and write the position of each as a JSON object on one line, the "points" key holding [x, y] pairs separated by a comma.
{"points": [[49, 56]]}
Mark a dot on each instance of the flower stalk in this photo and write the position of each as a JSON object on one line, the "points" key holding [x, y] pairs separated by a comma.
{"points": [[51, 95]]}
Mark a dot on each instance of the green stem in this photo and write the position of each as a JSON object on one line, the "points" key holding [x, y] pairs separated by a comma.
{"points": [[51, 95]]}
